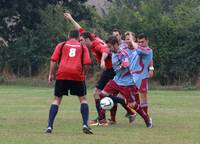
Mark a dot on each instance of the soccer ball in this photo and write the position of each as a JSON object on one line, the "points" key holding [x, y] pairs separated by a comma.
{"points": [[106, 103]]}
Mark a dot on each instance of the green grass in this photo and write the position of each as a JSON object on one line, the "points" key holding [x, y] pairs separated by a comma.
{"points": [[24, 111]]}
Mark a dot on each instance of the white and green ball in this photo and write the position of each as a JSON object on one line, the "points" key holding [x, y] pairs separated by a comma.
{"points": [[106, 103]]}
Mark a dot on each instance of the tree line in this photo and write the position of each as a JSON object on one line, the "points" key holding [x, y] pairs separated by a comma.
{"points": [[31, 29]]}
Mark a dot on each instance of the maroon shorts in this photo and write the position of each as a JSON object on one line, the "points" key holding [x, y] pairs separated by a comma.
{"points": [[144, 86], [127, 92]]}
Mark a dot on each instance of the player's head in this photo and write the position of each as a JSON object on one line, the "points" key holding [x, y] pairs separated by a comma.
{"points": [[113, 43], [129, 36], [142, 40], [74, 34], [116, 32], [86, 38]]}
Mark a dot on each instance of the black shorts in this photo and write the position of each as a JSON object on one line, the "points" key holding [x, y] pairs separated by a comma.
{"points": [[77, 88], [107, 75]]}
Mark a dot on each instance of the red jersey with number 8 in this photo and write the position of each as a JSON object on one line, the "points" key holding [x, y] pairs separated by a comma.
{"points": [[74, 56]]}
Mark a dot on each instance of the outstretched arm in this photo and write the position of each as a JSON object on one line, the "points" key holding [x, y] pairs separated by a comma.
{"points": [[68, 17]]}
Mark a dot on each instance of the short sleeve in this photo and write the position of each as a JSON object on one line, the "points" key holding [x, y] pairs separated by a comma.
{"points": [[102, 48], [87, 60], [56, 54], [81, 30]]}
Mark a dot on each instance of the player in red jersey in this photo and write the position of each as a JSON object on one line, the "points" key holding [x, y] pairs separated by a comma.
{"points": [[101, 54], [73, 58]]}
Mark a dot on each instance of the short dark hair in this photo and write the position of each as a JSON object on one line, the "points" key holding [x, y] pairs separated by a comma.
{"points": [[142, 35], [112, 40], [87, 35], [117, 30], [74, 34]]}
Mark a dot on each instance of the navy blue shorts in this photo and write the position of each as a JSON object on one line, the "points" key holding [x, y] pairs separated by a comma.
{"points": [[77, 88], [107, 75]]}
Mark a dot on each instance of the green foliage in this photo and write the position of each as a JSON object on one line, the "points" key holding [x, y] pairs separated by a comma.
{"points": [[173, 31], [36, 31], [33, 28]]}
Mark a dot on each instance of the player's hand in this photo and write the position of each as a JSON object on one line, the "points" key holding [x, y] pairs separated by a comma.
{"points": [[50, 79], [131, 37], [151, 73], [103, 65], [125, 63], [67, 16]]}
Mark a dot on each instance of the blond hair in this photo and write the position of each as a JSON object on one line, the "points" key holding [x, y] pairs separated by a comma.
{"points": [[129, 33]]}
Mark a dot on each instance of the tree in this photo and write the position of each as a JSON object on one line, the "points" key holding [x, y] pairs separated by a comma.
{"points": [[172, 27]]}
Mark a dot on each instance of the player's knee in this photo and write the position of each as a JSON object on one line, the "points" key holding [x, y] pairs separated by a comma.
{"points": [[83, 100], [57, 100], [96, 93], [102, 95], [132, 104]]}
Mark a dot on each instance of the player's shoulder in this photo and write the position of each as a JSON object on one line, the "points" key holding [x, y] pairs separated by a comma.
{"points": [[124, 50], [73, 43], [145, 48], [97, 41], [59, 45], [98, 44]]}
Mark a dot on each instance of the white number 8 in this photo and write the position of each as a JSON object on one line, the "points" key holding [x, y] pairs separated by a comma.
{"points": [[72, 52]]}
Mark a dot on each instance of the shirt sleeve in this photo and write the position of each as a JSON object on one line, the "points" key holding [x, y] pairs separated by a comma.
{"points": [[86, 57], [144, 51], [102, 48], [56, 54], [81, 30]]}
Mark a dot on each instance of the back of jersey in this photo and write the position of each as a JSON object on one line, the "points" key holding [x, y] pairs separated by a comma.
{"points": [[70, 67]]}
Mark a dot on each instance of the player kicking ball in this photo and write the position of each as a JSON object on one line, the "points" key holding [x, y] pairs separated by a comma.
{"points": [[123, 82]]}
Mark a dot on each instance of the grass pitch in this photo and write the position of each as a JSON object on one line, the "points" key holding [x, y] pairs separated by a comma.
{"points": [[24, 112]]}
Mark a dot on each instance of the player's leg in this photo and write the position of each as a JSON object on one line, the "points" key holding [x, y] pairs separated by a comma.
{"points": [[97, 100], [131, 113], [112, 89], [102, 113], [144, 103], [125, 95], [52, 113], [143, 95], [58, 92], [105, 77], [84, 108], [108, 90], [145, 116], [139, 110], [78, 88]]}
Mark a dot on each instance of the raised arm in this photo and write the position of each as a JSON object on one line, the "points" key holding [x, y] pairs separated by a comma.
{"points": [[68, 17], [133, 43]]}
